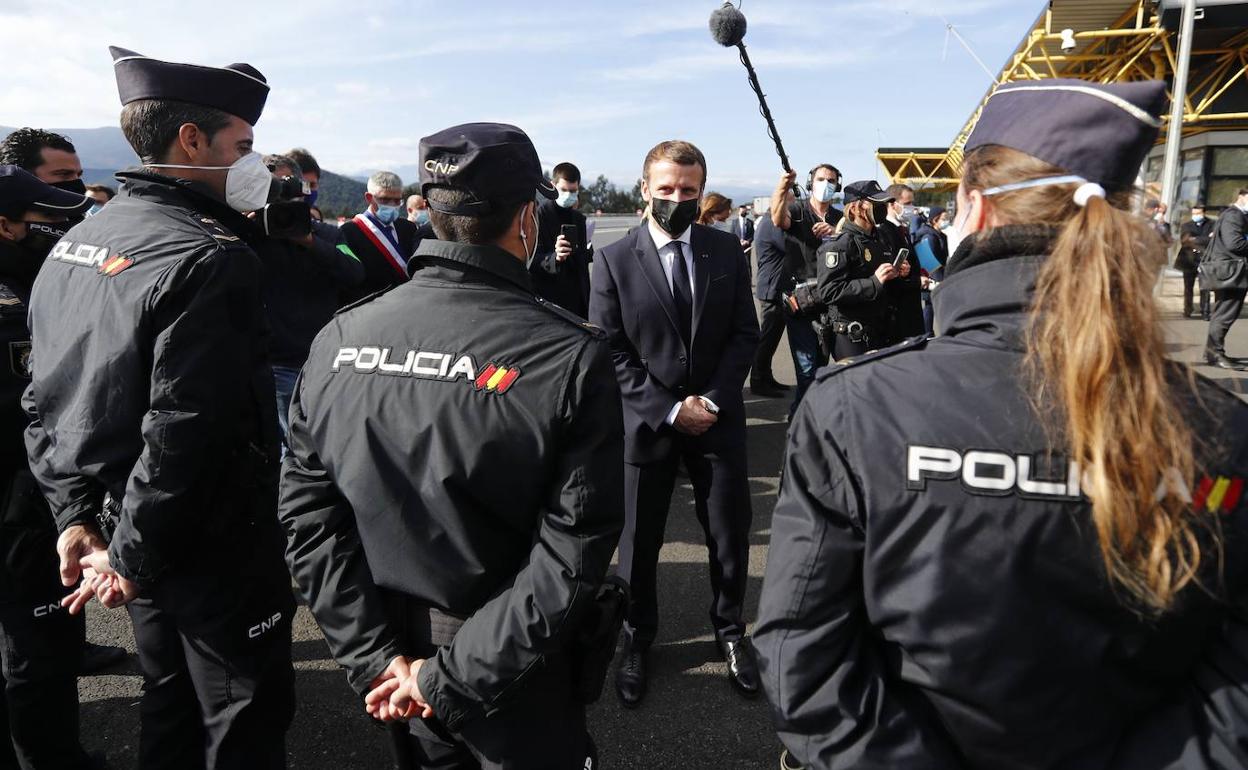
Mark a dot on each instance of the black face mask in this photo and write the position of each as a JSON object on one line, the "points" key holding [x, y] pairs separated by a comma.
{"points": [[72, 185], [674, 218], [879, 212]]}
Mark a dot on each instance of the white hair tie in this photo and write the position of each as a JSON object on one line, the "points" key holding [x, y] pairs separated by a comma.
{"points": [[1086, 192]]}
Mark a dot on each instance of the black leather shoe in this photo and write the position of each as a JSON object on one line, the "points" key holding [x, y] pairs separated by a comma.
{"points": [[97, 657], [742, 666], [630, 676], [1226, 362], [768, 389]]}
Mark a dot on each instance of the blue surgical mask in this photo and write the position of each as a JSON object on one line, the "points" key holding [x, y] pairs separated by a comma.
{"points": [[311, 197], [824, 191], [566, 199], [95, 209], [1198, 219], [422, 217], [388, 214]]}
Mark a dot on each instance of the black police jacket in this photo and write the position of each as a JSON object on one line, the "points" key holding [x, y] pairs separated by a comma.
{"points": [[458, 441], [935, 596], [150, 376], [15, 365], [847, 282]]}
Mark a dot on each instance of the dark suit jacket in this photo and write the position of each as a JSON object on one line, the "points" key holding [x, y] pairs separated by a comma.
{"points": [[749, 228], [631, 301], [379, 273], [774, 278]]}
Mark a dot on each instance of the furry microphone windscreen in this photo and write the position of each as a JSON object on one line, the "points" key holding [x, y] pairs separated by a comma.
{"points": [[728, 25]]}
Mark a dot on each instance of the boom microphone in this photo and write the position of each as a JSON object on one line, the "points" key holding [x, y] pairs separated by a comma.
{"points": [[728, 25], [728, 29]]}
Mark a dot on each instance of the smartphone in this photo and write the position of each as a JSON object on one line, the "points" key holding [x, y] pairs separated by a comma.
{"points": [[569, 232], [902, 256]]}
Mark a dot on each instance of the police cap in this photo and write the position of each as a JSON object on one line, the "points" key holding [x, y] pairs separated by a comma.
{"points": [[1099, 132], [20, 188], [491, 162], [238, 89], [866, 191]]}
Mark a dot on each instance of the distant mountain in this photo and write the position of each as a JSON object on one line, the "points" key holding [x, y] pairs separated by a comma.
{"points": [[340, 195]]}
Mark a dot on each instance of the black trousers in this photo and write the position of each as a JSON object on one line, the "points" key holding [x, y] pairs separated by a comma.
{"points": [[214, 646], [40, 643], [721, 492], [771, 329], [1189, 288], [1226, 307], [543, 728]]}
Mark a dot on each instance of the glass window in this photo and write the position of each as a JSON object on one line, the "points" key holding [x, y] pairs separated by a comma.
{"points": [[1222, 191], [1230, 161]]}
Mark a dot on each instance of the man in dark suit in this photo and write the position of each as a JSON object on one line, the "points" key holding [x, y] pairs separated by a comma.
{"points": [[381, 237], [905, 295], [772, 281], [743, 227], [674, 300]]}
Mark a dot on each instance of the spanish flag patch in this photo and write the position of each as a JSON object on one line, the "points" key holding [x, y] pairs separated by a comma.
{"points": [[497, 379], [115, 264], [1221, 493]]}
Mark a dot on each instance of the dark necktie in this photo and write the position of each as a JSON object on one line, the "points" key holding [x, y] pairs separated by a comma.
{"points": [[682, 293]]}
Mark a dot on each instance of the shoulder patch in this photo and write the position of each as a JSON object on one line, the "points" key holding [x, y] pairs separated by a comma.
{"points": [[365, 299], [570, 317], [914, 343], [832, 259], [217, 231]]}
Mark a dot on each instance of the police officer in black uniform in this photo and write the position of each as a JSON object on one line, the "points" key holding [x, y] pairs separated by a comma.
{"points": [[1016, 579], [40, 642], [853, 269], [155, 433], [454, 489], [1194, 237]]}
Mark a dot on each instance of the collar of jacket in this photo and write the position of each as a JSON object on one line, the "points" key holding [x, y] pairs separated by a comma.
{"points": [[854, 229], [989, 282], [490, 259], [145, 184]]}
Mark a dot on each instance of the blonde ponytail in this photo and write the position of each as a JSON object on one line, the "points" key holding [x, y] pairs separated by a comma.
{"points": [[1097, 355]]}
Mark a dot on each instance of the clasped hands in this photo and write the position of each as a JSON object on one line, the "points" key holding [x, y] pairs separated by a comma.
{"points": [[395, 694], [84, 555]]}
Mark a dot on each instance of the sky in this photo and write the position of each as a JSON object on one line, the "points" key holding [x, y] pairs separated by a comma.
{"points": [[596, 82]]}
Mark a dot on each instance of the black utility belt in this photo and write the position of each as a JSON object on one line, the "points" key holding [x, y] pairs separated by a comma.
{"points": [[850, 328]]}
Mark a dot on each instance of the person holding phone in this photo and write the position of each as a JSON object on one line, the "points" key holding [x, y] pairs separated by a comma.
{"points": [[560, 268], [853, 268]]}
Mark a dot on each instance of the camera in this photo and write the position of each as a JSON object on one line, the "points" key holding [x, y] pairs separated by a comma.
{"points": [[290, 216]]}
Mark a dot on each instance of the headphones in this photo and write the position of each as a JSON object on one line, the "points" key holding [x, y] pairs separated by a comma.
{"points": [[810, 177]]}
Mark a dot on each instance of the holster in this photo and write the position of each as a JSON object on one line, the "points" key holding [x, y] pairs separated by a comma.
{"points": [[596, 638]]}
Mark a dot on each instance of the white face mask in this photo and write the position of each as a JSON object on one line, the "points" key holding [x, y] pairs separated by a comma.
{"points": [[247, 181], [954, 235], [566, 199], [823, 190]]}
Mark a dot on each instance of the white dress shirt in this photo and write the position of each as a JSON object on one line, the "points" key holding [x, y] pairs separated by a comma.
{"points": [[667, 255]]}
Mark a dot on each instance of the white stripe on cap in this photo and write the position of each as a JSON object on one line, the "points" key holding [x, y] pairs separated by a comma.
{"points": [[43, 205], [221, 69], [1117, 101]]}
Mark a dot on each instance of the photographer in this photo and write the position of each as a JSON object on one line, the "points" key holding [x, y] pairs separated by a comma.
{"points": [[560, 269], [306, 265]]}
